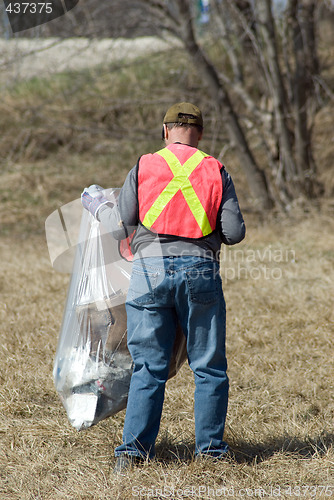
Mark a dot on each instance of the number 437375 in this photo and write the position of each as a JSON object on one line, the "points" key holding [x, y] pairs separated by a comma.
{"points": [[29, 7]]}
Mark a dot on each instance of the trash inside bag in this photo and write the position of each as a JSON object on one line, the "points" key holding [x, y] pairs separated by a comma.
{"points": [[92, 366]]}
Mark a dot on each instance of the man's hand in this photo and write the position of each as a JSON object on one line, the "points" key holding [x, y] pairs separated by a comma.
{"points": [[92, 199]]}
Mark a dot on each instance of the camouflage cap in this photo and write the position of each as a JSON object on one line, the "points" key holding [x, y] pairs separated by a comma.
{"points": [[184, 112]]}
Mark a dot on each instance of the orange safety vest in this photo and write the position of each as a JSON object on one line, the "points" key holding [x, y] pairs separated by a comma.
{"points": [[179, 191]]}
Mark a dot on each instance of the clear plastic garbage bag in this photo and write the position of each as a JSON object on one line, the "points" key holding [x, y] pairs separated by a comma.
{"points": [[92, 366]]}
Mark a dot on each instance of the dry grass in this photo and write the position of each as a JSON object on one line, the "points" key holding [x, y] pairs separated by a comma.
{"points": [[279, 287], [280, 351]]}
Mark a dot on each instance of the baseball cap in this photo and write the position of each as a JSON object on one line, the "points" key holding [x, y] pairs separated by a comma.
{"points": [[184, 112]]}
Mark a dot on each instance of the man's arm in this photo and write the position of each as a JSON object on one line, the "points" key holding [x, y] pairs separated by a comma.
{"points": [[122, 219], [233, 228]]}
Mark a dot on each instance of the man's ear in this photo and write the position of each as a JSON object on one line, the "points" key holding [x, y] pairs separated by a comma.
{"points": [[164, 133], [200, 135]]}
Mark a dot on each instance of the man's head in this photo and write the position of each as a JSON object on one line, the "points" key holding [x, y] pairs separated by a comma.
{"points": [[183, 122]]}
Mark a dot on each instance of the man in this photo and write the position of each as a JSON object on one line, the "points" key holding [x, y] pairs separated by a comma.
{"points": [[184, 206]]}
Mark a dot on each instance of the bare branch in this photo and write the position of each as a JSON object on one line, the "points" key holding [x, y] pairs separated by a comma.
{"points": [[221, 21]]}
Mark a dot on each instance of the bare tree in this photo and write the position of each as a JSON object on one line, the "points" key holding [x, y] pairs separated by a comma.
{"points": [[272, 83], [266, 81]]}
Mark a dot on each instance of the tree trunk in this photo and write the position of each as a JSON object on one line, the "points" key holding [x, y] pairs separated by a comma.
{"points": [[302, 34], [277, 90], [269, 85], [255, 176]]}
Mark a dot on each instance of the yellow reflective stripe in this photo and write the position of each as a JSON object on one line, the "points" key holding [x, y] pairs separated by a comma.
{"points": [[196, 208], [180, 181], [167, 194], [190, 195]]}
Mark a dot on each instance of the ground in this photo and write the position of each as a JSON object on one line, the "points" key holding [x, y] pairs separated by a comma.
{"points": [[279, 288]]}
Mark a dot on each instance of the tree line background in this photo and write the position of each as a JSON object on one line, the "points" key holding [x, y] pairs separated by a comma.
{"points": [[258, 60]]}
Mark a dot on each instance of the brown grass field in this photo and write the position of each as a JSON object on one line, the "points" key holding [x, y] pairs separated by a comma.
{"points": [[279, 288], [280, 351]]}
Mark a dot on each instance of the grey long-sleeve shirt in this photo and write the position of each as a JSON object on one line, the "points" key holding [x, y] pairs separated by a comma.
{"points": [[122, 220]]}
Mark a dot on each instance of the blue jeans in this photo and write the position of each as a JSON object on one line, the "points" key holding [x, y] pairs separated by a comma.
{"points": [[163, 291]]}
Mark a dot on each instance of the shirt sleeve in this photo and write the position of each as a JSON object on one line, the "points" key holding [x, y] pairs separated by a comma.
{"points": [[232, 225], [122, 219]]}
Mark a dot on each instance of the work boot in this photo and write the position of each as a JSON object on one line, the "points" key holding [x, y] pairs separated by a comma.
{"points": [[125, 462]]}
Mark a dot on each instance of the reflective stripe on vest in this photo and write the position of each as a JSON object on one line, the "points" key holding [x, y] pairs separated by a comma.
{"points": [[181, 182]]}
